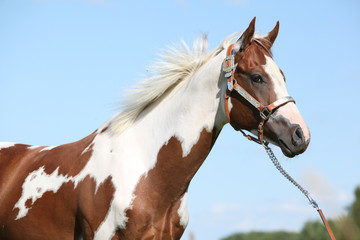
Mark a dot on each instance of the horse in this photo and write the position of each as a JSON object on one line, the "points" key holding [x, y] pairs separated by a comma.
{"points": [[129, 178]]}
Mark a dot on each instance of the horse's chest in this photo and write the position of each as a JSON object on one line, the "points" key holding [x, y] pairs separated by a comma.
{"points": [[155, 219]]}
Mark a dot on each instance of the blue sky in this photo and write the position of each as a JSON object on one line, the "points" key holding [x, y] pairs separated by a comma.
{"points": [[64, 65]]}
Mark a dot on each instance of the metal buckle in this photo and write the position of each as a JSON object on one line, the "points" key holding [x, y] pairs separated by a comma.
{"points": [[231, 67], [265, 113], [230, 85]]}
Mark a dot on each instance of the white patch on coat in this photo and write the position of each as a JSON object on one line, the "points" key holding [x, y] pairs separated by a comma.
{"points": [[230, 106], [183, 211], [48, 148], [33, 147], [35, 185], [4, 145], [184, 113]]}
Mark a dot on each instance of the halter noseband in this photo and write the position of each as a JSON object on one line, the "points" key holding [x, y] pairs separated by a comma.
{"points": [[265, 112]]}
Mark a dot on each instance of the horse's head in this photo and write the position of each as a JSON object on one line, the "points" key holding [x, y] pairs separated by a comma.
{"points": [[257, 94]]}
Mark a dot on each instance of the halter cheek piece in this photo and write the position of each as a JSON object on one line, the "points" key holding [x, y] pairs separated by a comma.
{"points": [[265, 112]]}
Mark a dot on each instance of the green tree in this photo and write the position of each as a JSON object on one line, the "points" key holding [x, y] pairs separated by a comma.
{"points": [[281, 235], [315, 230], [346, 227], [354, 211]]}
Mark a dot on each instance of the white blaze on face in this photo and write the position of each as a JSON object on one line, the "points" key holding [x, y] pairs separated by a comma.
{"points": [[276, 77], [289, 110]]}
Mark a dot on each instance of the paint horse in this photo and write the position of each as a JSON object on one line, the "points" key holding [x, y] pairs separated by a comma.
{"points": [[129, 178]]}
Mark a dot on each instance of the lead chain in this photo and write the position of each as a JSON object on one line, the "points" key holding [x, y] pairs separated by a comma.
{"points": [[287, 176]]}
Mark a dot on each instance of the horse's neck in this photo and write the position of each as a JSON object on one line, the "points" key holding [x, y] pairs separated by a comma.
{"points": [[176, 134]]}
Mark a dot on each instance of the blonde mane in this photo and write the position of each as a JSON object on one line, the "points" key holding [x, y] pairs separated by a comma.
{"points": [[176, 65]]}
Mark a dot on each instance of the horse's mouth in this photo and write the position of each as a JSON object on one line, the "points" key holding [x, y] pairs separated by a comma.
{"points": [[285, 149]]}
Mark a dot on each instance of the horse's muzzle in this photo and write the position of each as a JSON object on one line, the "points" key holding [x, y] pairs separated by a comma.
{"points": [[293, 142]]}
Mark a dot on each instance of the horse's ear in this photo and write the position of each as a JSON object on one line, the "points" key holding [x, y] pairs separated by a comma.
{"points": [[271, 36], [246, 37]]}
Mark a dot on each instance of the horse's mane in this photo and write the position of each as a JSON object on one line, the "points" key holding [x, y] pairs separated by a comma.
{"points": [[176, 65]]}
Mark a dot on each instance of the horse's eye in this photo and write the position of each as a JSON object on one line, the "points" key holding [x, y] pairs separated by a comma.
{"points": [[257, 78]]}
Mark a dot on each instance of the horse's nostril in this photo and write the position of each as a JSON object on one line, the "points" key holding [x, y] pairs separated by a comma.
{"points": [[299, 133], [297, 136]]}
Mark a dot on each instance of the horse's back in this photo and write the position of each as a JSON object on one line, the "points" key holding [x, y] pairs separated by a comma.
{"points": [[16, 161]]}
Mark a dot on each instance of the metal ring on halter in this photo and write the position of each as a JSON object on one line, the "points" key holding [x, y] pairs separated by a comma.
{"points": [[265, 113]]}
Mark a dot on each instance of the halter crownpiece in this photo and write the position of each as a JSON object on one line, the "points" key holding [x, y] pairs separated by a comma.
{"points": [[265, 112]]}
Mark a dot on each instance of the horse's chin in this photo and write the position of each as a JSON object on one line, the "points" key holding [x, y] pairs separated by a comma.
{"points": [[290, 153], [286, 151]]}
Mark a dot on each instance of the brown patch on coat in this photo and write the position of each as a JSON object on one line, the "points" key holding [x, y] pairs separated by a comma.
{"points": [[104, 130], [93, 205], [158, 194], [51, 216], [66, 214], [61, 215], [69, 158]]}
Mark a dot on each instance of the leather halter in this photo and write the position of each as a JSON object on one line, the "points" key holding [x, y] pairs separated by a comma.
{"points": [[265, 111]]}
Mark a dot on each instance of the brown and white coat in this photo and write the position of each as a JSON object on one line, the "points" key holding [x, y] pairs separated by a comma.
{"points": [[129, 178]]}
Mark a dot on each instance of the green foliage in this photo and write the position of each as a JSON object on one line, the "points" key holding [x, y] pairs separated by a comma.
{"points": [[315, 230], [264, 236], [355, 208], [344, 228]]}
